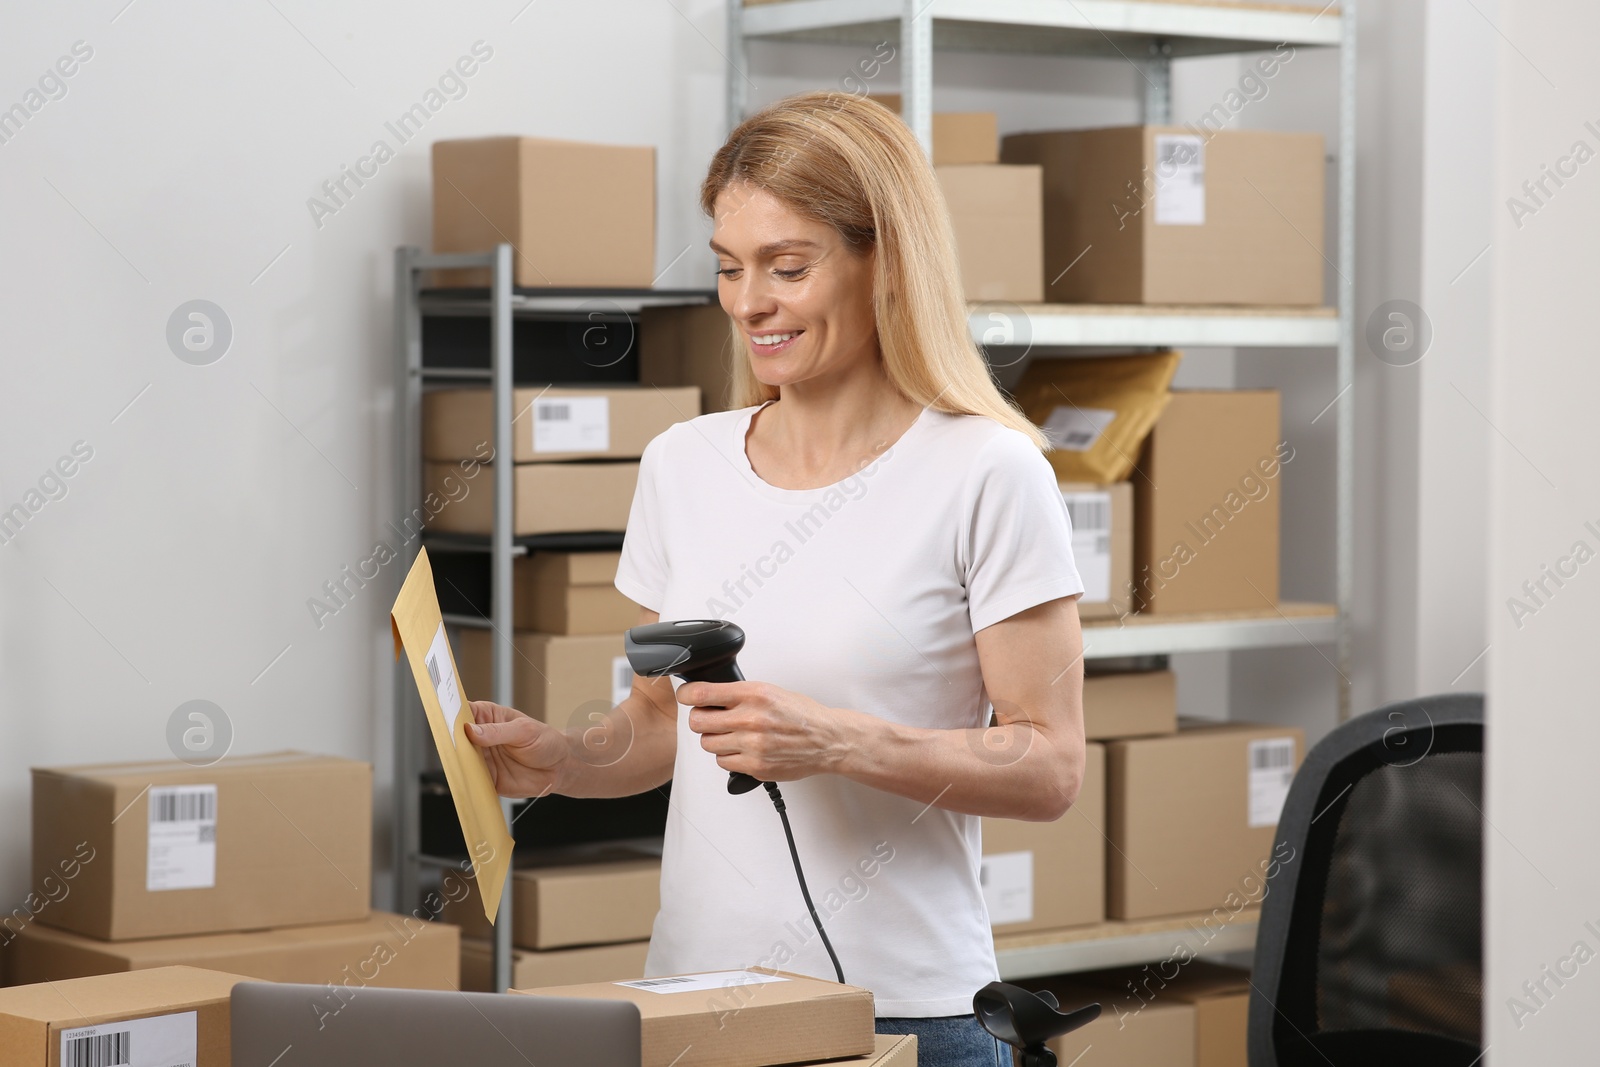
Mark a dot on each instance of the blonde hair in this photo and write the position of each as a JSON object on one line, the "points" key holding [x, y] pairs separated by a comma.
{"points": [[846, 161]]}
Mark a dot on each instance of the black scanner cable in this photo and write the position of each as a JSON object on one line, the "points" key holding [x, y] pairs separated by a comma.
{"points": [[707, 650]]}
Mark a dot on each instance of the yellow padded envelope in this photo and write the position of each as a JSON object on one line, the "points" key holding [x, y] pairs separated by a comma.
{"points": [[419, 629]]}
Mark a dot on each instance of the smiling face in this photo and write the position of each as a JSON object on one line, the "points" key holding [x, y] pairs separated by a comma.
{"points": [[801, 296]]}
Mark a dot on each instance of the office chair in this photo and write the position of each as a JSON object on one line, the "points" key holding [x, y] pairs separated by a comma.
{"points": [[1370, 946]]}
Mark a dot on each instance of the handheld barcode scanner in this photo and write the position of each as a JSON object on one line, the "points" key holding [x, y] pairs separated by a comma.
{"points": [[696, 650], [707, 650]]}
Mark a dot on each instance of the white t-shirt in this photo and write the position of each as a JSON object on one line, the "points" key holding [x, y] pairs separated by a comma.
{"points": [[862, 595]]}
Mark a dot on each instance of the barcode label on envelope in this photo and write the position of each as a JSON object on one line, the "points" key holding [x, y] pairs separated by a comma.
{"points": [[442, 673]]}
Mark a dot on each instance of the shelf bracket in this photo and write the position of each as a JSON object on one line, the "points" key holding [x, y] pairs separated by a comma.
{"points": [[1156, 69]]}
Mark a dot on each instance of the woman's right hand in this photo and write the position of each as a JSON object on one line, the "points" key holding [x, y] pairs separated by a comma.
{"points": [[525, 756]]}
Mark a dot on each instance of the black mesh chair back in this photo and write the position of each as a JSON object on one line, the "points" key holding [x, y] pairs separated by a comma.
{"points": [[1370, 947]]}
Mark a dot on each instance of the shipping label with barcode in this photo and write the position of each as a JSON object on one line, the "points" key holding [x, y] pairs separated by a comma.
{"points": [[442, 673], [1271, 771], [1180, 180], [1007, 881], [182, 848], [702, 983], [1074, 429], [157, 1041], [1091, 542], [572, 424], [621, 679]]}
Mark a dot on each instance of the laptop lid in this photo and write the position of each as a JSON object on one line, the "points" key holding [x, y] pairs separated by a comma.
{"points": [[285, 1025]]}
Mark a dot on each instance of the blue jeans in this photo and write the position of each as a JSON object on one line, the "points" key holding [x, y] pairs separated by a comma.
{"points": [[950, 1041]]}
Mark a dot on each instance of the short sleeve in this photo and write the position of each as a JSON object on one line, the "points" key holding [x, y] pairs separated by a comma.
{"points": [[642, 572], [1017, 552]]}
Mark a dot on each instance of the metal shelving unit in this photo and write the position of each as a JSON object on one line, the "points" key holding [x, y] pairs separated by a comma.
{"points": [[1149, 34], [502, 304]]}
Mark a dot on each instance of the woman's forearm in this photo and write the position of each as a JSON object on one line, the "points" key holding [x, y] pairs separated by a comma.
{"points": [[628, 750], [1017, 771]]}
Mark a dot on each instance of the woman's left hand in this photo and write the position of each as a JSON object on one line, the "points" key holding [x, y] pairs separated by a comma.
{"points": [[766, 731]]}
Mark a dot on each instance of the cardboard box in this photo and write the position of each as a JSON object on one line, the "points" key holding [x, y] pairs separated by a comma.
{"points": [[1221, 999], [1206, 504], [559, 679], [554, 422], [1102, 546], [740, 1018], [997, 215], [690, 346], [250, 842], [393, 951], [1130, 704], [571, 593], [560, 966], [1162, 215], [182, 1008], [1046, 875], [1219, 996], [958, 136], [578, 214], [573, 904], [548, 497], [889, 1050], [1193, 816]]}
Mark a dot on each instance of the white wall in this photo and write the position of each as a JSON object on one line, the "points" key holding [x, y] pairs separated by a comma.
{"points": [[178, 166], [1542, 790]]}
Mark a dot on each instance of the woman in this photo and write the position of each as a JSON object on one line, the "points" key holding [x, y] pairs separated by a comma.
{"points": [[883, 526]]}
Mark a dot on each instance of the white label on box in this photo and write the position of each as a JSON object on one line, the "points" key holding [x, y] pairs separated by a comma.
{"points": [[1180, 180], [182, 849], [702, 983], [1091, 542], [1007, 880], [1271, 771], [1075, 429], [572, 424], [442, 673], [157, 1041], [621, 679]]}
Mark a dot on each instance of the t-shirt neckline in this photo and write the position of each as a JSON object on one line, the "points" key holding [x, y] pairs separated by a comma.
{"points": [[742, 459]]}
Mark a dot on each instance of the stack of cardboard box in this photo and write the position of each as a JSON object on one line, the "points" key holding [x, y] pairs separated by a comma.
{"points": [[996, 209], [569, 618], [575, 449], [1167, 215], [258, 866], [573, 922]]}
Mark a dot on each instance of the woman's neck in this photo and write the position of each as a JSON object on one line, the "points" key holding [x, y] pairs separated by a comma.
{"points": [[820, 432]]}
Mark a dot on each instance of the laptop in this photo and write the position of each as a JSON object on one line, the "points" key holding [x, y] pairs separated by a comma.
{"points": [[284, 1025]]}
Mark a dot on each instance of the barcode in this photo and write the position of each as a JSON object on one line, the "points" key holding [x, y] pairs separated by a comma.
{"points": [[1177, 152], [555, 412], [624, 678], [183, 807], [1076, 439], [97, 1050], [1091, 513], [433, 670], [647, 983], [208, 833], [1272, 755]]}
